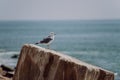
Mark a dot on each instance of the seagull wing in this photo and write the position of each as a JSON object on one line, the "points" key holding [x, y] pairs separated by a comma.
{"points": [[46, 40]]}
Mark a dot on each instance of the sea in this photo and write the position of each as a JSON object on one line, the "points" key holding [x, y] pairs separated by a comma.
{"points": [[96, 42]]}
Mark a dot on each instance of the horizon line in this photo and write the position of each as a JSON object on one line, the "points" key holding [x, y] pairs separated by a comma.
{"points": [[60, 20]]}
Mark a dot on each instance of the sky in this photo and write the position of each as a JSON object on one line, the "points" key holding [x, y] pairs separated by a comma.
{"points": [[59, 9]]}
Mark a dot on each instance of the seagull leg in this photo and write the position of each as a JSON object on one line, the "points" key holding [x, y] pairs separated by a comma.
{"points": [[48, 46]]}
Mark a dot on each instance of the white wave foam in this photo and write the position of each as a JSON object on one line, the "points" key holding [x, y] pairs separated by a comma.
{"points": [[115, 74], [8, 53], [5, 58]]}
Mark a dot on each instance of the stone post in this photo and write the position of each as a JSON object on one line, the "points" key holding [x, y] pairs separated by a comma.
{"points": [[37, 63]]}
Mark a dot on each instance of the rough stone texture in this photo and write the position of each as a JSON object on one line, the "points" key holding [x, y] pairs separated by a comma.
{"points": [[36, 63], [4, 75], [4, 78]]}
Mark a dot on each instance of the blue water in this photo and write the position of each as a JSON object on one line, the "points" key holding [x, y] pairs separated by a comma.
{"points": [[96, 42]]}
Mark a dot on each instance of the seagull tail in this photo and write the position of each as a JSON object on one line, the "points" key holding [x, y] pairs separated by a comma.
{"points": [[37, 43]]}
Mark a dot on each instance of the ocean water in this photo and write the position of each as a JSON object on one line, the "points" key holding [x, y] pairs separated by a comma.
{"points": [[96, 42]]}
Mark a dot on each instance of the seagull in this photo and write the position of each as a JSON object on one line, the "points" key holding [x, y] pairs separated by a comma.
{"points": [[48, 40]]}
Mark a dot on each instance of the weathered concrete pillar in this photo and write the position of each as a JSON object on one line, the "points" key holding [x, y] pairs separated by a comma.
{"points": [[36, 63]]}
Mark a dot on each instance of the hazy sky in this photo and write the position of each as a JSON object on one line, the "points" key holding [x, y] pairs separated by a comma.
{"points": [[59, 9]]}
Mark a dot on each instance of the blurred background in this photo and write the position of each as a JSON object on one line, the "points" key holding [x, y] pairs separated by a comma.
{"points": [[88, 30]]}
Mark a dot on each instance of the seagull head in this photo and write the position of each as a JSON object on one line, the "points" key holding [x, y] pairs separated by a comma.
{"points": [[52, 34]]}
